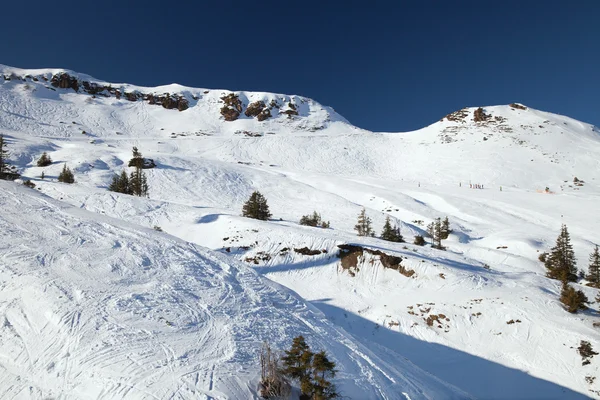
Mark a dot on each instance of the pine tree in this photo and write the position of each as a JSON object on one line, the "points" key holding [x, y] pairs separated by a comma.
{"points": [[44, 160], [120, 183], [312, 371], [594, 269], [561, 262], [389, 233], [256, 207], [296, 361], [363, 226], [7, 171], [445, 228], [66, 175], [323, 371], [137, 160], [138, 184], [574, 300]]}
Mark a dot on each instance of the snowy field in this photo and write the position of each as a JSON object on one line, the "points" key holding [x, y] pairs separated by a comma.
{"points": [[97, 304]]}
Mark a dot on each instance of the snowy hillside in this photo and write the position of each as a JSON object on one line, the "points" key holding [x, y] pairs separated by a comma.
{"points": [[97, 308], [208, 164]]}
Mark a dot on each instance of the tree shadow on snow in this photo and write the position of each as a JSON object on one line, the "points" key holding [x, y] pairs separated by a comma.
{"points": [[479, 377]]}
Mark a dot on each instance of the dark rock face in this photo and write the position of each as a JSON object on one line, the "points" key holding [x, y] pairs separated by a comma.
{"points": [[65, 81], [232, 107]]}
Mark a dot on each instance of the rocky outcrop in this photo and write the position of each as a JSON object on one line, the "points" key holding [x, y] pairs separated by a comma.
{"points": [[254, 109], [517, 106], [167, 100], [457, 116], [259, 110], [480, 116], [291, 110], [351, 255], [65, 81], [232, 107]]}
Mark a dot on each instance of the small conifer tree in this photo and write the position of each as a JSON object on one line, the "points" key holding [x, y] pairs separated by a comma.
{"points": [[137, 160], [256, 207], [363, 226], [561, 262], [44, 160], [120, 183], [323, 371], [66, 175], [296, 361], [312, 371], [138, 184], [574, 300], [445, 229], [594, 269]]}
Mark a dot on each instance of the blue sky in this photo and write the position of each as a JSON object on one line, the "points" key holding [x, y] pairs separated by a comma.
{"points": [[386, 66]]}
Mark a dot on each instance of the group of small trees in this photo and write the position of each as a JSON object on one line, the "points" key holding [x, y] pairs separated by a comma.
{"points": [[364, 227], [314, 220], [313, 372], [136, 183], [66, 175], [561, 265], [257, 208], [438, 231]]}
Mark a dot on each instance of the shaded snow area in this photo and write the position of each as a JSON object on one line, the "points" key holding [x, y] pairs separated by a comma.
{"points": [[98, 304]]}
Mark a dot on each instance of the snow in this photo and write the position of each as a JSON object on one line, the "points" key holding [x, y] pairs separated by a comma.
{"points": [[220, 310]]}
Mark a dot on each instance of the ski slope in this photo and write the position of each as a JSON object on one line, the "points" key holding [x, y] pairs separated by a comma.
{"points": [[98, 308], [208, 167]]}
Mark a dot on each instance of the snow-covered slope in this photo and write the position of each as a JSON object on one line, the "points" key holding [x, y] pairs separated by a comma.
{"points": [[489, 275], [97, 308]]}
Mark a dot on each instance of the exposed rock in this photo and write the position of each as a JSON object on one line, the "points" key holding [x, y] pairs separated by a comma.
{"points": [[309, 252], [518, 106], [131, 96], [232, 108], [168, 101], [65, 81], [457, 116], [292, 110], [254, 109], [264, 114], [480, 116], [350, 254], [259, 110]]}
